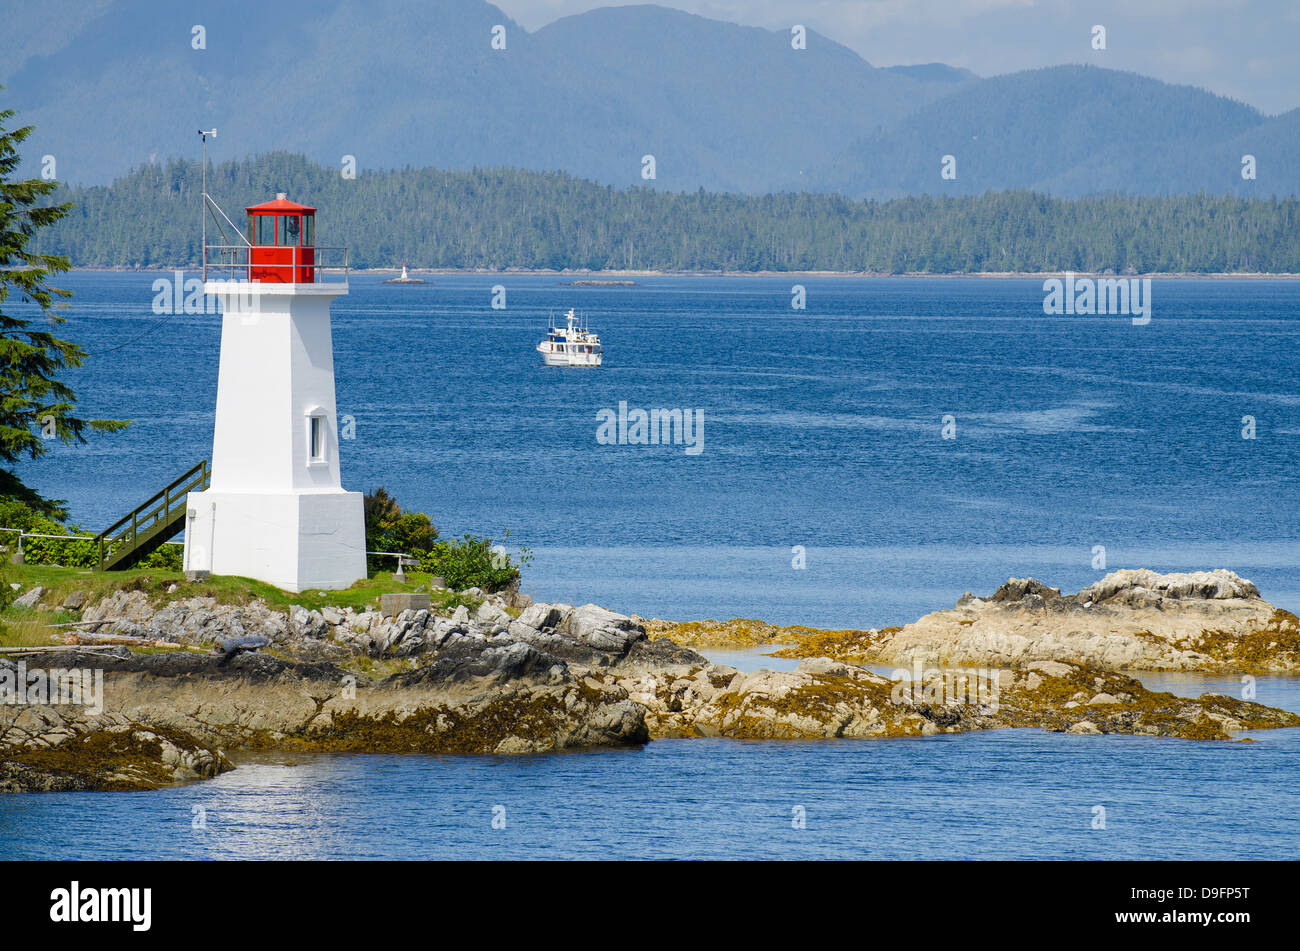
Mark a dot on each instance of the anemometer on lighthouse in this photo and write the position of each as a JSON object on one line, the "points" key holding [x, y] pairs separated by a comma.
{"points": [[275, 509]]}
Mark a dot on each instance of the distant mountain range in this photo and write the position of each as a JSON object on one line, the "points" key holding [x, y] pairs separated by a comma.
{"points": [[116, 84]]}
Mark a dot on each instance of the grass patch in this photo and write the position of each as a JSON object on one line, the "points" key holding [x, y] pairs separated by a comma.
{"points": [[364, 595], [28, 629]]}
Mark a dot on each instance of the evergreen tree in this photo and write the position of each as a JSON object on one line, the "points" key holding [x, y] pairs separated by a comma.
{"points": [[35, 406]]}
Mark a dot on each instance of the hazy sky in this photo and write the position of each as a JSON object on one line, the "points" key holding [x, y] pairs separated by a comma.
{"points": [[1246, 49]]}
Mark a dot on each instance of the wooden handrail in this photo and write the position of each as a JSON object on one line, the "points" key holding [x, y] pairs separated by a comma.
{"points": [[118, 541]]}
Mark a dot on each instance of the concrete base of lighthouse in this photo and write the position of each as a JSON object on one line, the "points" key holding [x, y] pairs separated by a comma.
{"points": [[294, 540]]}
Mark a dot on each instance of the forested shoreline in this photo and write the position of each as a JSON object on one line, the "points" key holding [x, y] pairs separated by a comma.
{"points": [[498, 219]]}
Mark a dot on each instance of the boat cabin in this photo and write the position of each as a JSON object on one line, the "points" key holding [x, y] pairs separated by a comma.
{"points": [[572, 345]]}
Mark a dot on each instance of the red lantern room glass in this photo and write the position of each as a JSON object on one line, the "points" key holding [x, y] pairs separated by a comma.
{"points": [[282, 237]]}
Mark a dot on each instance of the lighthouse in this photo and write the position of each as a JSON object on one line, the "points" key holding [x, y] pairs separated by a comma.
{"points": [[275, 509]]}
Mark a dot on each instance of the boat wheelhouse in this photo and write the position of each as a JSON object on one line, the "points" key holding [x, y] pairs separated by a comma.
{"points": [[572, 345]]}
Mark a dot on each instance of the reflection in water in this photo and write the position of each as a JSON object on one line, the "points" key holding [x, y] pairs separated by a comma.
{"points": [[751, 658]]}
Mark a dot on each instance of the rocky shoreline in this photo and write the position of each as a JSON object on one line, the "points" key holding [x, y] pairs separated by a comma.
{"points": [[187, 680], [1129, 620]]}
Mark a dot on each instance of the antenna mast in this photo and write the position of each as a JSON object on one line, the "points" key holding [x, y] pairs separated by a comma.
{"points": [[204, 210]]}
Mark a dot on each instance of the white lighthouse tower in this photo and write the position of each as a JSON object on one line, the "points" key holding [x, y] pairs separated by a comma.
{"points": [[276, 509]]}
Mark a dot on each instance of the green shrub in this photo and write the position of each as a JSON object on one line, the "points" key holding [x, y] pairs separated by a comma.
{"points": [[388, 528], [471, 562], [467, 562], [45, 551], [67, 552], [7, 594]]}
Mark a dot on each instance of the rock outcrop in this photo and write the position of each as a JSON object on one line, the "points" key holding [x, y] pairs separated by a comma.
{"points": [[825, 698], [53, 749], [1129, 620], [484, 676], [248, 677]]}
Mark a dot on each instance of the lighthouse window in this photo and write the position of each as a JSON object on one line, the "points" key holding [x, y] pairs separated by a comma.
{"points": [[289, 229], [308, 230], [265, 229], [317, 424]]}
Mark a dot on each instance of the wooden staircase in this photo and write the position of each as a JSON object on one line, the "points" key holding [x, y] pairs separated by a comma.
{"points": [[158, 519]]}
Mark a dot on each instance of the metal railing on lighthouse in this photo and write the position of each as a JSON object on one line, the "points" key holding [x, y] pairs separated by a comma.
{"points": [[293, 265]]}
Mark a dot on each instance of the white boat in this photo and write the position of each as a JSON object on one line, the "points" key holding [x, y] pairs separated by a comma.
{"points": [[570, 346]]}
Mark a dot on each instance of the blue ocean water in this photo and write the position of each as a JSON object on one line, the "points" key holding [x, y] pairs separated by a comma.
{"points": [[822, 429]]}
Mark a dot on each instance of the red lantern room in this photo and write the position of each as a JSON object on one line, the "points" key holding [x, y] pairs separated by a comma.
{"points": [[282, 237]]}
